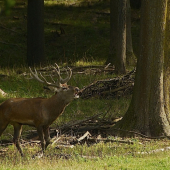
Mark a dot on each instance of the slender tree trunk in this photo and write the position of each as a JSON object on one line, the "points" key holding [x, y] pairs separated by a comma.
{"points": [[146, 112], [113, 31], [35, 32], [117, 54], [130, 57], [121, 41]]}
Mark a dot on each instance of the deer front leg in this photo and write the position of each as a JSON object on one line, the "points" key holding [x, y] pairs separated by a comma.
{"points": [[3, 125], [41, 136], [17, 134], [47, 135]]}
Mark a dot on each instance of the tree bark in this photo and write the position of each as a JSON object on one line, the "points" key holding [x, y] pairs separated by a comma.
{"points": [[167, 64], [130, 57], [113, 31], [35, 32], [117, 53], [120, 61], [147, 113]]}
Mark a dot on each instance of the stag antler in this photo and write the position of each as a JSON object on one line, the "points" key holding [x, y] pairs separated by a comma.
{"points": [[55, 84], [61, 80]]}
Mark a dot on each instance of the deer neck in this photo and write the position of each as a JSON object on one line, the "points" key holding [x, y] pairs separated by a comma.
{"points": [[54, 106]]}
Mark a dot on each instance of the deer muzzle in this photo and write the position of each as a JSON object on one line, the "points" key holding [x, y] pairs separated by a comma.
{"points": [[76, 94]]}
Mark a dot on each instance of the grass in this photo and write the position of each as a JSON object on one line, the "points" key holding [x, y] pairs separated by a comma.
{"points": [[119, 156], [86, 33], [99, 156]]}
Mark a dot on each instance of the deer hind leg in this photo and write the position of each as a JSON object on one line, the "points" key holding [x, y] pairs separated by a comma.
{"points": [[46, 135], [17, 134]]}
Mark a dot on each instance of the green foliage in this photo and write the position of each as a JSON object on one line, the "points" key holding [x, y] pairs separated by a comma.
{"points": [[8, 4]]}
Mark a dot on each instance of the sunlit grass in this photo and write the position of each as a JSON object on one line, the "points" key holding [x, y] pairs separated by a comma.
{"points": [[100, 156]]}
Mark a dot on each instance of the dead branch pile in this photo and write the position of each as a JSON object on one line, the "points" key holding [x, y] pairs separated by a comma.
{"points": [[115, 87]]}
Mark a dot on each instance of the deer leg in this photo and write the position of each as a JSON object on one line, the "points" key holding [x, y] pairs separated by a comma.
{"points": [[46, 135], [3, 126], [17, 134], [41, 136]]}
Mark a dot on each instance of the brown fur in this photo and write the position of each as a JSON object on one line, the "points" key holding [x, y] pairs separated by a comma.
{"points": [[37, 112]]}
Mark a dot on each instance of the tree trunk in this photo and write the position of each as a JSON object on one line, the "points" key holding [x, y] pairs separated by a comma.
{"points": [[113, 31], [147, 113], [117, 54], [121, 41], [130, 57], [35, 32], [167, 65]]}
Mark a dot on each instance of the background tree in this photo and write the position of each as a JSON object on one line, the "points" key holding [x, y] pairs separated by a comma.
{"points": [[148, 113], [120, 35], [120, 58], [130, 57], [35, 32], [113, 30]]}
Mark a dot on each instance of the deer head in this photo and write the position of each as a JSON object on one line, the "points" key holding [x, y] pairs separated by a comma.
{"points": [[38, 112], [60, 87]]}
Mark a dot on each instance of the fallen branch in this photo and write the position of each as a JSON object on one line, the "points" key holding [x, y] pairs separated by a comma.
{"points": [[68, 126], [64, 146], [9, 29], [2, 92], [86, 135], [105, 140]]}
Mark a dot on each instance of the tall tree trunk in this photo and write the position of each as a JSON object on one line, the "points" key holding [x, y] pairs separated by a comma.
{"points": [[146, 112], [117, 54], [35, 32], [120, 61], [113, 31], [167, 65], [130, 57]]}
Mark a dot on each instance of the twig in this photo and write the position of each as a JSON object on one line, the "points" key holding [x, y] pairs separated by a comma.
{"points": [[9, 29], [9, 44], [80, 121], [2, 92], [87, 134], [55, 141], [65, 146], [112, 140]]}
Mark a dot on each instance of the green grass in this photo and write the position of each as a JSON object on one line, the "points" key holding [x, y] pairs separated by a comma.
{"points": [[98, 156], [86, 32]]}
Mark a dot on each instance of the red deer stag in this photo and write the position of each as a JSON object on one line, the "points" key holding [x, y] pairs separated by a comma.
{"points": [[38, 112]]}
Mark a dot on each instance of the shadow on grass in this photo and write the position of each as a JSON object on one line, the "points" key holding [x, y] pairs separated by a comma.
{"points": [[74, 31]]}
